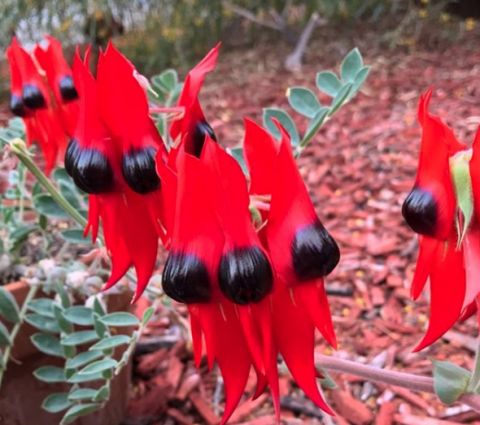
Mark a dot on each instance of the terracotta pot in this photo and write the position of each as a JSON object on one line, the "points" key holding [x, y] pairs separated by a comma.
{"points": [[21, 394]]}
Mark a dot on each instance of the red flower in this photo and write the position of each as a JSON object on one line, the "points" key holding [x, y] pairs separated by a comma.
{"points": [[448, 255], [193, 124], [191, 272], [46, 119], [302, 253], [111, 158], [60, 80]]}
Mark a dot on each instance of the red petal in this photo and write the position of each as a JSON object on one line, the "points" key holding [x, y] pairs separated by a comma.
{"points": [[189, 95], [294, 335], [125, 110], [433, 175], [447, 289], [260, 154], [427, 253], [313, 298]]}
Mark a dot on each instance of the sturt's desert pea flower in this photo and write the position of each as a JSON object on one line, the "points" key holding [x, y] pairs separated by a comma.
{"points": [[60, 79], [111, 158], [48, 119], [443, 208], [302, 253], [190, 275], [193, 122]]}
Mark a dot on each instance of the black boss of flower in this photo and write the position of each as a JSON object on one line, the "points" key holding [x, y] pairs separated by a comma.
{"points": [[16, 106], [185, 279], [314, 252], [89, 168], [245, 275], [67, 89], [33, 97], [420, 211], [201, 130], [138, 169]]}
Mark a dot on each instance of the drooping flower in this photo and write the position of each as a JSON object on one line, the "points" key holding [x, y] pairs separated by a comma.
{"points": [[302, 254], [60, 79], [31, 99], [190, 275], [441, 208], [111, 158]]}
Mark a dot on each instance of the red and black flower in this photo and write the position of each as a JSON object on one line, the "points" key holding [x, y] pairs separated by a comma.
{"points": [[49, 118], [443, 208]]}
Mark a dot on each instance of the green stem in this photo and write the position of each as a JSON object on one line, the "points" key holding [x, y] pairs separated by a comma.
{"points": [[23, 311], [19, 149], [474, 383]]}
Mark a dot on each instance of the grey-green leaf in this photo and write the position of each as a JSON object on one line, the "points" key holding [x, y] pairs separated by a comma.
{"points": [[82, 394], [50, 374], [83, 358], [121, 318], [99, 366], [98, 307], [351, 64], [56, 402], [285, 120], [46, 205], [303, 101], [4, 336], [42, 306], [147, 315], [360, 78], [78, 338], [111, 342], [42, 323], [48, 344], [328, 82], [8, 306], [450, 381], [79, 315], [79, 410], [63, 323], [103, 393], [78, 378]]}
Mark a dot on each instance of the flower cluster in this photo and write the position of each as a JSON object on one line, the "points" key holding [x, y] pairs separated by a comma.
{"points": [[444, 209], [44, 96], [253, 287]]}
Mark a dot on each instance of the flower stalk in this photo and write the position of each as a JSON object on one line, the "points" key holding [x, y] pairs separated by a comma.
{"points": [[19, 148], [410, 381]]}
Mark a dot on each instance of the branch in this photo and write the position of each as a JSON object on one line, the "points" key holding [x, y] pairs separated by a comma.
{"points": [[400, 379], [294, 59], [245, 13]]}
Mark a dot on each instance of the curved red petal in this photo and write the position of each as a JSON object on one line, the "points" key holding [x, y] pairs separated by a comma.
{"points": [[294, 336], [433, 174], [313, 298], [447, 289], [189, 95], [427, 253]]}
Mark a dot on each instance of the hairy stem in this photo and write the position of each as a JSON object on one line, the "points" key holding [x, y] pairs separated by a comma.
{"points": [[392, 377], [19, 149], [13, 334]]}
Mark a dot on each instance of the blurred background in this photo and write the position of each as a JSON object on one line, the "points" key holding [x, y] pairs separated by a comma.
{"points": [[160, 33]]}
